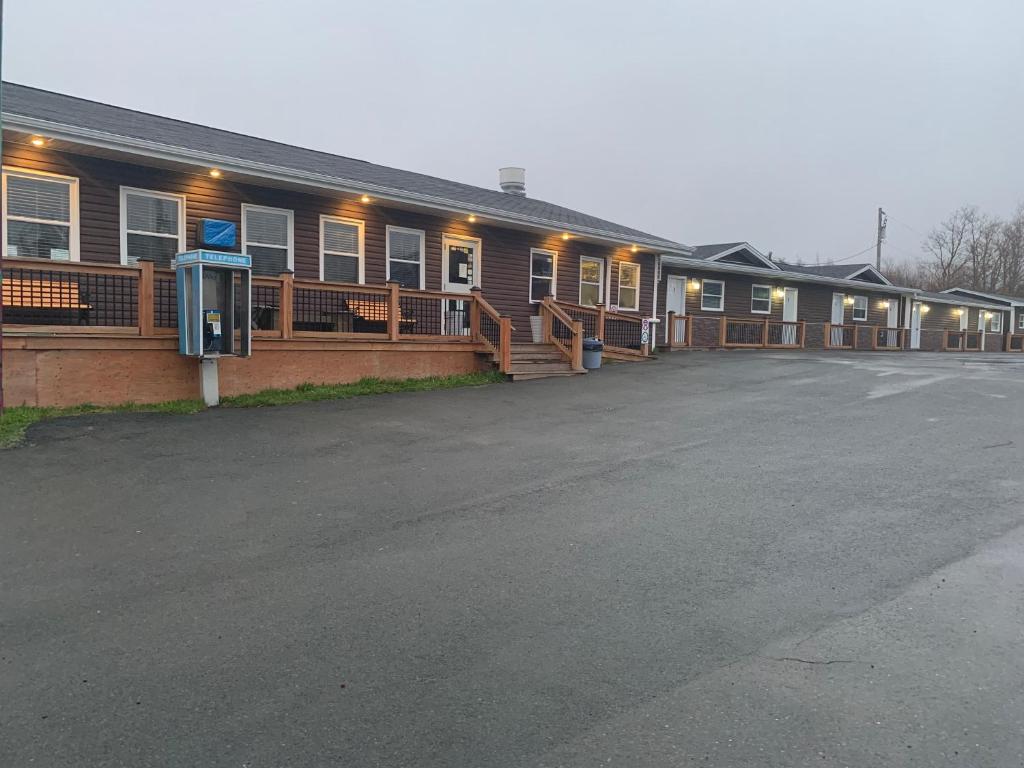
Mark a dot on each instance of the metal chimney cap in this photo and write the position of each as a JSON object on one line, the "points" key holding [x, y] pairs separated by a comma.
{"points": [[512, 180]]}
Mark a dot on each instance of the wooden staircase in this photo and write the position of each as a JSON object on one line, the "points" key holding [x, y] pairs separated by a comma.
{"points": [[538, 361]]}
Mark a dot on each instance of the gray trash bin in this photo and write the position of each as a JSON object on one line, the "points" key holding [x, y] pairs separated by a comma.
{"points": [[592, 349]]}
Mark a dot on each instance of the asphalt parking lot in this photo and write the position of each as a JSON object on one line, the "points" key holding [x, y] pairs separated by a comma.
{"points": [[719, 559]]}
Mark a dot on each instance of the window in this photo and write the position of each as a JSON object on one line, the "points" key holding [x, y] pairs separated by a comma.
{"points": [[629, 286], [1020, 322], [712, 295], [40, 216], [152, 225], [860, 308], [341, 250], [542, 273], [996, 323], [268, 236], [405, 256], [761, 299], [591, 281]]}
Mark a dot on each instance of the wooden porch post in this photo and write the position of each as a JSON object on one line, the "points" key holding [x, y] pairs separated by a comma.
{"points": [[600, 321], [145, 297], [394, 310], [721, 331], [474, 313], [764, 333], [577, 345], [505, 344], [546, 318], [287, 302], [828, 336], [670, 319]]}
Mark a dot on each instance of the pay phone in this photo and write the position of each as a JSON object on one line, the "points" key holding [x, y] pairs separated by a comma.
{"points": [[214, 308]]}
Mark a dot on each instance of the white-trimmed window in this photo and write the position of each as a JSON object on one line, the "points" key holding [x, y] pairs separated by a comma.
{"points": [[268, 235], [1020, 321], [761, 299], [629, 286], [152, 226], [712, 295], [591, 281], [996, 323], [40, 216], [341, 250], [860, 308], [543, 273], [405, 256]]}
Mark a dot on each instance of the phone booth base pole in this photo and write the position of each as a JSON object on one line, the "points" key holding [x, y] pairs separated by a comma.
{"points": [[209, 381]]}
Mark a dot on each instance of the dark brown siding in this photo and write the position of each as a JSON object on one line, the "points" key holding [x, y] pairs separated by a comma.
{"points": [[814, 302], [505, 253]]}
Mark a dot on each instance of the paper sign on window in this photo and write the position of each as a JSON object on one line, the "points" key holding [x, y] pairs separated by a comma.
{"points": [[463, 270], [60, 254]]}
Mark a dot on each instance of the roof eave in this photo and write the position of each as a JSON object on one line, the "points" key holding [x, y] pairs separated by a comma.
{"points": [[799, 277], [156, 150]]}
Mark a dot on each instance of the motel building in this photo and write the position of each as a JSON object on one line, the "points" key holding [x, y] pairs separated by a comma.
{"points": [[363, 270]]}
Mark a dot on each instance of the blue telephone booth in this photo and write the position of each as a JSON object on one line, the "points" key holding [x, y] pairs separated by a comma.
{"points": [[214, 304]]}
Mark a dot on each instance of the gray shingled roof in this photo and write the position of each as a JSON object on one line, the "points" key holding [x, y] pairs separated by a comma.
{"points": [[983, 295], [710, 251], [35, 104], [840, 271], [952, 298]]}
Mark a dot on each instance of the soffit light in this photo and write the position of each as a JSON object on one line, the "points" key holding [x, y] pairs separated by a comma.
{"points": [[565, 235], [472, 218], [364, 199], [38, 141], [695, 284], [632, 249], [215, 173]]}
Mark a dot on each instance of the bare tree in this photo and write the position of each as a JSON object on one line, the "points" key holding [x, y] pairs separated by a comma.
{"points": [[947, 248], [983, 235], [912, 274], [1009, 265]]}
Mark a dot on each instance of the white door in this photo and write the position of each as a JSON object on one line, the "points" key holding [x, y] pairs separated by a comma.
{"points": [[981, 329], [893, 321], [838, 312], [963, 318], [675, 301], [460, 271], [915, 326], [789, 300]]}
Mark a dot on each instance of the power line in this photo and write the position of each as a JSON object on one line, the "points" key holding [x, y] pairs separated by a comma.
{"points": [[851, 256]]}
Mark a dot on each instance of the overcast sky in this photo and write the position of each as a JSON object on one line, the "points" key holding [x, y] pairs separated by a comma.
{"points": [[783, 123]]}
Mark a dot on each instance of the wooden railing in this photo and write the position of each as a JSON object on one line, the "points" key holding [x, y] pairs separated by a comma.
{"points": [[563, 331], [1015, 342], [736, 332], [840, 336], [963, 341], [887, 339], [680, 331], [79, 297], [492, 329], [621, 333]]}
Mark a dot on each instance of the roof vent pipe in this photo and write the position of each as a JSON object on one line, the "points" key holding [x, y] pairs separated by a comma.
{"points": [[512, 181]]}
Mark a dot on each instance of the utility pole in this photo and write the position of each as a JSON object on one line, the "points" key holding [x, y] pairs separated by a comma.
{"points": [[882, 221]]}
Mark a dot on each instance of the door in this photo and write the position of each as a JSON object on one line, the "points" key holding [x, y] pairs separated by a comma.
{"points": [[460, 271], [963, 318], [789, 300], [893, 321], [838, 314], [981, 329], [915, 326], [675, 301]]}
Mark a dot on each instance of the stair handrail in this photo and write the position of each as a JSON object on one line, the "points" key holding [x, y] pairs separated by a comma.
{"points": [[503, 349], [574, 352]]}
